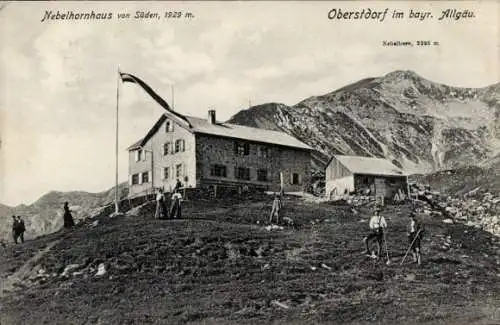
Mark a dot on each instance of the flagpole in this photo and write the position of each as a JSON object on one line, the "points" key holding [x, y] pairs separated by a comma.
{"points": [[172, 94], [116, 140]]}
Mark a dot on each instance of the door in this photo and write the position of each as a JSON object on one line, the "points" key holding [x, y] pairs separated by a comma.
{"points": [[380, 187]]}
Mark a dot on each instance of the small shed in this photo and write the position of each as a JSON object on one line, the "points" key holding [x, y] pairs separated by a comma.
{"points": [[364, 176]]}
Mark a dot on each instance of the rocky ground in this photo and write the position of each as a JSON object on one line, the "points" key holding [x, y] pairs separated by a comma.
{"points": [[221, 265]]}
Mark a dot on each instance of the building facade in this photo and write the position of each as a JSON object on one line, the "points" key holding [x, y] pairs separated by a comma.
{"points": [[203, 153]]}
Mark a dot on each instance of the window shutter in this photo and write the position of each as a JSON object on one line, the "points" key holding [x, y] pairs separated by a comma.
{"points": [[235, 172], [183, 143], [184, 170], [150, 177], [136, 155], [247, 149], [291, 178], [143, 155], [300, 179], [140, 178], [130, 180]]}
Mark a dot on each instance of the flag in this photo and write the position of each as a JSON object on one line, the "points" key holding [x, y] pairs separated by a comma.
{"points": [[127, 77]]}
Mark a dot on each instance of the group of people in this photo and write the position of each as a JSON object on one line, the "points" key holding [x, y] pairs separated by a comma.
{"points": [[175, 211], [18, 229], [18, 226], [378, 226]]}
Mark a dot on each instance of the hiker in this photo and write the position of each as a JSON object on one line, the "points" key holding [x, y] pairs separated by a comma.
{"points": [[275, 211], [377, 225], [21, 228], [175, 207], [15, 227], [18, 229], [415, 232], [160, 204], [67, 217]]}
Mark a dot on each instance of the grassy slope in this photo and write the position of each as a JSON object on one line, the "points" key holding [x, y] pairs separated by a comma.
{"points": [[206, 269]]}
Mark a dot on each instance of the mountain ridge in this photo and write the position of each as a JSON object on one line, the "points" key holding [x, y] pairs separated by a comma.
{"points": [[422, 125], [44, 216]]}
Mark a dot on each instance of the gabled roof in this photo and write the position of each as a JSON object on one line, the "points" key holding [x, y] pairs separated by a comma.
{"points": [[246, 133], [369, 165], [228, 130], [136, 145]]}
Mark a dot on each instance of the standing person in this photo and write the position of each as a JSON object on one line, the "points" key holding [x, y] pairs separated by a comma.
{"points": [[21, 228], [67, 217], [275, 211], [178, 186], [415, 232], [160, 200], [15, 229], [175, 207], [377, 226], [165, 205]]}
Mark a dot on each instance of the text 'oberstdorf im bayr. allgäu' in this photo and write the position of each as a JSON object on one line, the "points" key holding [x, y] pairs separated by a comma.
{"points": [[369, 14]]}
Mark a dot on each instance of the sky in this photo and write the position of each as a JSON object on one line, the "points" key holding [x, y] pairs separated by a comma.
{"points": [[58, 78]]}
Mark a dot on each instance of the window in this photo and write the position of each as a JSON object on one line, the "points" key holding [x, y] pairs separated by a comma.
{"points": [[145, 177], [295, 179], [166, 173], [135, 179], [262, 175], [242, 173], [138, 155], [178, 170], [166, 148], [169, 126], [179, 145], [218, 170], [263, 152], [241, 148]]}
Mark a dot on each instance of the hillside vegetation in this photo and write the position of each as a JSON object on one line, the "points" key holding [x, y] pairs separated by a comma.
{"points": [[220, 265]]}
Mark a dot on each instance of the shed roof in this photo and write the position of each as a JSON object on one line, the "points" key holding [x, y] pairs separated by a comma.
{"points": [[369, 165]]}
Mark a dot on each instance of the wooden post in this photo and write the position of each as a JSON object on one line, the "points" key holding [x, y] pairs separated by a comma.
{"points": [[282, 183]]}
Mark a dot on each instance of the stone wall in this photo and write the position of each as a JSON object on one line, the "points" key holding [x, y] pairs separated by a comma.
{"points": [[212, 150]]}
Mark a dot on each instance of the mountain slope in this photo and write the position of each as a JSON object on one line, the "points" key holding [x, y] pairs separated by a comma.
{"points": [[45, 215], [420, 125], [456, 182], [217, 266]]}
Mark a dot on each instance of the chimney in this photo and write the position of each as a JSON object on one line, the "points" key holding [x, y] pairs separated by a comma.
{"points": [[211, 116]]}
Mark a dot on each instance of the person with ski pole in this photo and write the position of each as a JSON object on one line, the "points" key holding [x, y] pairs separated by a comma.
{"points": [[377, 226], [415, 232]]}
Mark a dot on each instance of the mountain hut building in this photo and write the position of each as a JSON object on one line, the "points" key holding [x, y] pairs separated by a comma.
{"points": [[204, 153], [364, 176]]}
